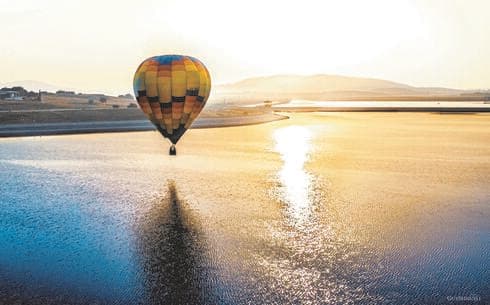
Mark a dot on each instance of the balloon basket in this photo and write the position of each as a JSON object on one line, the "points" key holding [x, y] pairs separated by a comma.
{"points": [[172, 151]]}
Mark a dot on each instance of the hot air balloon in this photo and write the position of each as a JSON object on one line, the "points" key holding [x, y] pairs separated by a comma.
{"points": [[172, 90]]}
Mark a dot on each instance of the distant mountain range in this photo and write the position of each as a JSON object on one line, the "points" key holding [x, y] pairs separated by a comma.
{"points": [[313, 87], [328, 84], [33, 85]]}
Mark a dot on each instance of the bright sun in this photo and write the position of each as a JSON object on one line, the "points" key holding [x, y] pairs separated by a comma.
{"points": [[311, 37]]}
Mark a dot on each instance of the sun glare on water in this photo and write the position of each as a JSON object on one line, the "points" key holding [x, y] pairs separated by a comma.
{"points": [[293, 144]]}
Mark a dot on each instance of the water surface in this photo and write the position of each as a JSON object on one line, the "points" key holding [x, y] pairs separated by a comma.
{"points": [[320, 209]]}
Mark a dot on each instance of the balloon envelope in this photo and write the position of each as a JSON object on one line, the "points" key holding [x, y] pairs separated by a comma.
{"points": [[172, 90]]}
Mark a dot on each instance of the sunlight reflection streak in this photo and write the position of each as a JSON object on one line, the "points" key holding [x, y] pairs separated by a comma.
{"points": [[293, 143]]}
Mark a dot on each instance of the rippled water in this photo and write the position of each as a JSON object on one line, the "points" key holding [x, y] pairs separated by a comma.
{"points": [[318, 209]]}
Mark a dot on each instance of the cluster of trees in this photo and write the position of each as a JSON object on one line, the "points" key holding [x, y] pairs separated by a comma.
{"points": [[101, 99], [63, 92], [128, 96], [21, 92]]}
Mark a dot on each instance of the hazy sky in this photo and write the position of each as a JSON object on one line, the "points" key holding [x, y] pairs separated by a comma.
{"points": [[97, 45]]}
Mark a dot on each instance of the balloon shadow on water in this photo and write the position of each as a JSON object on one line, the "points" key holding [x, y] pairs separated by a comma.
{"points": [[173, 253]]}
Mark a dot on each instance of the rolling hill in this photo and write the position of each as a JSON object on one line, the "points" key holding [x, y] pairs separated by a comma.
{"points": [[327, 85], [311, 87]]}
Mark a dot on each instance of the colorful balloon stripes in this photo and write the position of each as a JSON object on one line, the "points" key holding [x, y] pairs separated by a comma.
{"points": [[172, 90]]}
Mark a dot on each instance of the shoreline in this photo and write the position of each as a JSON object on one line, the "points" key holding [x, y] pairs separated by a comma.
{"points": [[67, 128], [385, 109], [380, 106], [132, 120]]}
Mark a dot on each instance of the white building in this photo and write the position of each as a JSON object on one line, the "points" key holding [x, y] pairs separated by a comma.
{"points": [[10, 96]]}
